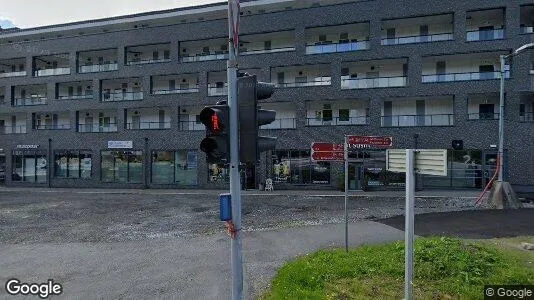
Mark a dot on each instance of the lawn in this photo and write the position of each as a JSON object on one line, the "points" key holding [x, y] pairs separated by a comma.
{"points": [[445, 268]]}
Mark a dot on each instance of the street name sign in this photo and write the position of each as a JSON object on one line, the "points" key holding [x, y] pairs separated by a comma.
{"points": [[376, 141], [327, 152]]}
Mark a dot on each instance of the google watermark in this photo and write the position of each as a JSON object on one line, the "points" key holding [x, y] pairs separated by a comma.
{"points": [[509, 292], [43, 290]]}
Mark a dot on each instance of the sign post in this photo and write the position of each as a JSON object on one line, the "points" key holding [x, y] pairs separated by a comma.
{"points": [[346, 167]]}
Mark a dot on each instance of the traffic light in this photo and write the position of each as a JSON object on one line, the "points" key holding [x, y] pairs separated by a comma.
{"points": [[251, 118], [216, 144]]}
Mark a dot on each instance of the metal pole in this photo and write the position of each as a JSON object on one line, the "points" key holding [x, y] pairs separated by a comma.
{"points": [[235, 182], [409, 226], [346, 159], [501, 121]]}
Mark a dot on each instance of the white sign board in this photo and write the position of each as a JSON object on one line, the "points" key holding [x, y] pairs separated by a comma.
{"points": [[427, 161], [27, 146], [120, 144]]}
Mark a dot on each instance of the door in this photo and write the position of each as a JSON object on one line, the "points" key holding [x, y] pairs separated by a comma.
{"points": [[88, 126], [489, 167], [390, 36], [420, 112], [136, 122], [250, 176], [486, 111], [423, 32]]}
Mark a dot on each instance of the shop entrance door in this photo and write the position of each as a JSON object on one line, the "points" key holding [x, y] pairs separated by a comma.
{"points": [[489, 167], [250, 173]]}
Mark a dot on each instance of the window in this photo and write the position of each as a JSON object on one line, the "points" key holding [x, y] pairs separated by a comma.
{"points": [[486, 111], [327, 115], [296, 167], [29, 166], [122, 166], [72, 164], [218, 173], [344, 115], [174, 167]]}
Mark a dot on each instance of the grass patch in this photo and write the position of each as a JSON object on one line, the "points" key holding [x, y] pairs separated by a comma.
{"points": [[445, 268]]}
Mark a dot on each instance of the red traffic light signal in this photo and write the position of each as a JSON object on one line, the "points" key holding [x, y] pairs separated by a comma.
{"points": [[216, 143]]}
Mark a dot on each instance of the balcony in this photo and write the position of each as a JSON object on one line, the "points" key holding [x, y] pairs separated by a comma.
{"points": [[526, 107], [526, 19], [26, 95], [51, 121], [337, 113], [417, 120], [148, 125], [97, 61], [218, 89], [96, 121], [527, 116], [463, 76], [15, 129], [301, 76], [485, 25], [52, 127], [148, 54], [128, 89], [374, 74], [147, 119], [108, 96], [321, 47], [29, 101], [420, 111], [74, 90], [266, 43], [204, 50], [305, 81], [108, 127], [174, 84], [338, 121], [51, 65], [283, 123], [483, 106], [12, 67], [425, 29], [369, 83], [338, 38], [191, 125], [463, 67]]}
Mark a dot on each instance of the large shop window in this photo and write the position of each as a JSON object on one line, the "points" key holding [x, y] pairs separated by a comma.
{"points": [[122, 166], [174, 167], [465, 169], [72, 164], [29, 166], [296, 167], [218, 173]]}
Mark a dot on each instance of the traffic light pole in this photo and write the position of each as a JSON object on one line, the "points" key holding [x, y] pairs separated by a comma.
{"points": [[235, 182]]}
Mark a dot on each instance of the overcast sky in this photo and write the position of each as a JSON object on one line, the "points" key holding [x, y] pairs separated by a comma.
{"points": [[34, 13]]}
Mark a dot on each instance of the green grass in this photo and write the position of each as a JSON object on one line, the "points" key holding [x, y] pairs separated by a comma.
{"points": [[445, 268]]}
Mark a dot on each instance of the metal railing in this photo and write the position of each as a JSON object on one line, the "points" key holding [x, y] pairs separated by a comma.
{"points": [[29, 101], [122, 96], [368, 83], [204, 57], [13, 129], [463, 76], [148, 125], [483, 116], [191, 126], [317, 81], [75, 97], [98, 68], [147, 61], [418, 39], [337, 121], [52, 72], [321, 47], [52, 127], [12, 74], [191, 89], [526, 29], [214, 90], [111, 127], [243, 51], [417, 120], [526, 117], [485, 35], [283, 123]]}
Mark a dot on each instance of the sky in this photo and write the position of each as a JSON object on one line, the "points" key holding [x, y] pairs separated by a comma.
{"points": [[34, 13]]}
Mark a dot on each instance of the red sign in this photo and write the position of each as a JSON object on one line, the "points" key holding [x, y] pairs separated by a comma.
{"points": [[326, 147], [377, 141], [327, 151], [337, 156]]}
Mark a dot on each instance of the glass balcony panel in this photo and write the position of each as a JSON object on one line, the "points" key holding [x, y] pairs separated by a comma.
{"points": [[191, 89], [52, 72], [417, 120], [285, 123], [122, 96], [98, 68], [332, 48], [191, 126], [337, 121], [148, 125], [485, 35], [12, 74], [30, 101], [52, 127], [14, 129]]}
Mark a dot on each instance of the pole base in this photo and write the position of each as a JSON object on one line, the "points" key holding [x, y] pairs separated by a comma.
{"points": [[502, 196]]}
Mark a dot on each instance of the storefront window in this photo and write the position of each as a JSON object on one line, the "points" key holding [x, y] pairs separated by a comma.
{"points": [[72, 164], [296, 167], [122, 166], [29, 166], [218, 173], [174, 167], [465, 169]]}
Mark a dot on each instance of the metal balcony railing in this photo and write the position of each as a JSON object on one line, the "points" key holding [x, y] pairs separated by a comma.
{"points": [[483, 116], [463, 76], [98, 68], [485, 35], [284, 123], [418, 39], [75, 97], [52, 127], [205, 56], [417, 120], [526, 117], [29, 101], [217, 90], [369, 83], [13, 129], [191, 126], [110, 127], [190, 89], [322, 47], [121, 96], [148, 125], [316, 81], [12, 74], [52, 72], [244, 51], [147, 61], [337, 121]]}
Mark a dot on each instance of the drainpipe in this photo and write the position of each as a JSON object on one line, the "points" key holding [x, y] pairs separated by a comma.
{"points": [[48, 168], [147, 161]]}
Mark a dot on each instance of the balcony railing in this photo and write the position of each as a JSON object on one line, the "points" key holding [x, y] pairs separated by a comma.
{"points": [[337, 121], [418, 120], [204, 57], [191, 89], [284, 123], [244, 51], [485, 35], [12, 74], [29, 101], [526, 29], [317, 81], [214, 90], [75, 97], [149, 125], [147, 61], [110, 127], [463, 76], [369, 83], [418, 39], [191, 126], [52, 127], [13, 129], [321, 47], [98, 68], [122, 96], [483, 116], [526, 117], [52, 72]]}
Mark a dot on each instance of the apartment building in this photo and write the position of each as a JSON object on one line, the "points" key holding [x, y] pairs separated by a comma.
{"points": [[115, 102]]}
